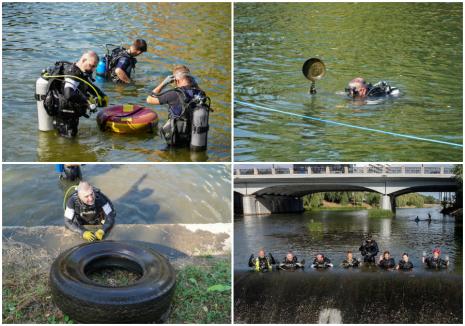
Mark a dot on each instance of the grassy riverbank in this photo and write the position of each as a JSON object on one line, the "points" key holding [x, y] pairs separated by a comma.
{"points": [[202, 295]]}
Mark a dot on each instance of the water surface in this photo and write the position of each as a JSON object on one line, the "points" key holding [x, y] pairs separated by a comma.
{"points": [[416, 47], [146, 194]]}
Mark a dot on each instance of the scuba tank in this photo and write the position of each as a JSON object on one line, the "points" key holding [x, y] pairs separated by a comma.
{"points": [[199, 128], [44, 119], [101, 69]]}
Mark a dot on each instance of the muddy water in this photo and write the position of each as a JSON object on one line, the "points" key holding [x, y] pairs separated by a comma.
{"points": [[36, 35], [145, 194]]}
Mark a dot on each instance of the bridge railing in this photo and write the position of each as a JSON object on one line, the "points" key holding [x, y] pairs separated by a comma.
{"points": [[325, 170]]}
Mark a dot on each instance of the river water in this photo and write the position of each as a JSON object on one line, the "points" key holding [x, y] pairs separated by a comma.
{"points": [[35, 35], [416, 47], [145, 194], [333, 232], [364, 295]]}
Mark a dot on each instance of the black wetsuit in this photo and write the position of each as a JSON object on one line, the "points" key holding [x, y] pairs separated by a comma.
{"points": [[324, 264], [74, 104], [264, 264], [353, 263], [405, 265], [290, 264], [435, 263], [71, 173], [78, 214], [387, 264], [369, 251], [120, 58], [179, 118]]}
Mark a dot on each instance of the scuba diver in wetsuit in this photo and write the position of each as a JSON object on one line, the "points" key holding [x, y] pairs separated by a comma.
{"points": [[262, 263], [71, 93], [69, 172], [435, 262], [321, 261], [369, 250], [290, 262], [404, 263], [119, 64], [350, 261], [88, 206], [359, 88], [386, 261], [188, 111]]}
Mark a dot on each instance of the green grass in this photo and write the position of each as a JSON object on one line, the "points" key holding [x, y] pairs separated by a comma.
{"points": [[203, 294], [114, 277], [380, 213]]}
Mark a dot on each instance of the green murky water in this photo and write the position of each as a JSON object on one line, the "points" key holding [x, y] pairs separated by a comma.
{"points": [[35, 35], [414, 46], [141, 193]]}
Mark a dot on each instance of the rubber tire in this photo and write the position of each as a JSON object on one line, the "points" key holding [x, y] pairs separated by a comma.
{"points": [[147, 300]]}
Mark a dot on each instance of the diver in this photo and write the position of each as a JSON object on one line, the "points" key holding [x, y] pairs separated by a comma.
{"points": [[321, 261], [71, 93], [350, 261], [435, 262], [404, 264], [118, 64], [188, 110], [88, 206], [369, 250], [262, 263], [291, 262], [69, 172], [359, 88], [417, 219], [386, 261]]}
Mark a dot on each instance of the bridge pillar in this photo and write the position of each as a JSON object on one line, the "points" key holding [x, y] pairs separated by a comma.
{"points": [[264, 205], [388, 203]]}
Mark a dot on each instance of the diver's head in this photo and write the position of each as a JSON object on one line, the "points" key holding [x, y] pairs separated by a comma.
{"points": [[182, 76], [369, 238], [261, 253], [436, 252], [349, 255], [86, 193], [88, 62], [405, 257], [138, 47], [290, 256], [357, 87], [320, 257], [386, 254]]}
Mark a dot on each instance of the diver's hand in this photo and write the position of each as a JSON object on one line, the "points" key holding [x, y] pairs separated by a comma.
{"points": [[99, 234], [89, 236], [168, 80]]}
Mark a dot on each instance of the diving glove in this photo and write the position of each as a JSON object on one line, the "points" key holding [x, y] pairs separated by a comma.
{"points": [[89, 236], [99, 234], [168, 80]]}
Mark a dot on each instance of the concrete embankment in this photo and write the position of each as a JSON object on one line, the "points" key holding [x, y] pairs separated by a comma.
{"points": [[346, 297]]}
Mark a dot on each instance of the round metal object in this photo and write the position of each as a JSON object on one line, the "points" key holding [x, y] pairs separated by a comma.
{"points": [[314, 69]]}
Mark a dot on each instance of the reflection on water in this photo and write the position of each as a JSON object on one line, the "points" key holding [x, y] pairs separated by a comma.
{"points": [[334, 232], [147, 194], [35, 35], [417, 47]]}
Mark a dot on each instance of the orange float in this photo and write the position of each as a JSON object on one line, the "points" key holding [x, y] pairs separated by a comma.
{"points": [[127, 119]]}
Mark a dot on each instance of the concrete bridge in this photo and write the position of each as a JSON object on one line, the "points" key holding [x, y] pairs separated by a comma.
{"points": [[271, 190]]}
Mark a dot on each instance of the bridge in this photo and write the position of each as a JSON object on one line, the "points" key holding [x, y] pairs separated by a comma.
{"points": [[280, 190]]}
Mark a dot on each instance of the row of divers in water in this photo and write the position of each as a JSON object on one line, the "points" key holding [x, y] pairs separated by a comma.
{"points": [[369, 250], [66, 91]]}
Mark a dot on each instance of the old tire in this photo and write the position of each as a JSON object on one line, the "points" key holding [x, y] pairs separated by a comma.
{"points": [[146, 300]]}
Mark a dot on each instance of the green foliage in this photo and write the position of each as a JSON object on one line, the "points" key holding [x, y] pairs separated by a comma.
{"points": [[344, 199], [203, 294], [412, 199], [373, 199], [313, 201], [380, 213]]}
